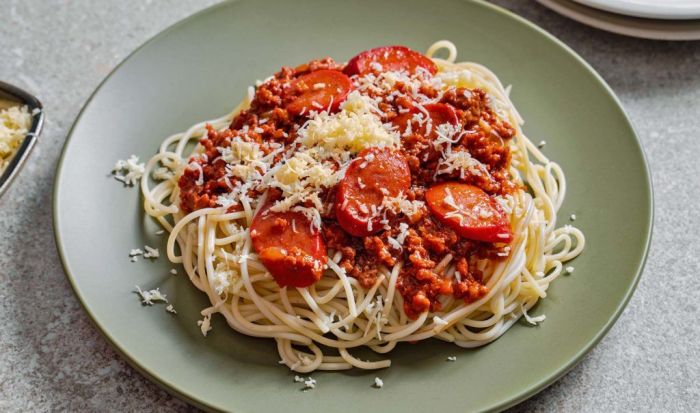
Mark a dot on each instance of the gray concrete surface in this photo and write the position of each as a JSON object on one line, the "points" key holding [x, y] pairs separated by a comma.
{"points": [[52, 359]]}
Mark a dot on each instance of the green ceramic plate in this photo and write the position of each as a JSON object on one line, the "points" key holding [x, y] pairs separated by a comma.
{"points": [[201, 67]]}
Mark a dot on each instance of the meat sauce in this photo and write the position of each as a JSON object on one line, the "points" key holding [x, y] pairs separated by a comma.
{"points": [[430, 233]]}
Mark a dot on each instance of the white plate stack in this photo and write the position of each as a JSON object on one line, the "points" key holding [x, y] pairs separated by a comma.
{"points": [[649, 19]]}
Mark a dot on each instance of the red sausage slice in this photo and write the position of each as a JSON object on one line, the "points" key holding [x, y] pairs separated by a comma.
{"points": [[439, 113], [391, 59], [319, 90], [289, 249], [375, 173], [468, 210]]}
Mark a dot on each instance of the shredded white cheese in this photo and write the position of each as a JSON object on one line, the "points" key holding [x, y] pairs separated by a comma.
{"points": [[452, 358], [400, 205], [378, 383], [170, 309], [150, 296], [14, 126], [205, 324], [151, 252], [162, 174], [353, 129], [309, 384], [128, 172], [439, 323], [532, 320]]}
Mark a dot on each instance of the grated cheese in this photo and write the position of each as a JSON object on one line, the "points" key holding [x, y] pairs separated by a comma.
{"points": [[129, 171], [151, 252], [394, 243], [532, 320], [170, 309], [460, 161], [378, 383], [439, 323], [205, 324], [452, 358], [309, 384], [353, 129], [223, 278], [150, 296], [162, 174], [400, 205], [403, 233], [14, 126]]}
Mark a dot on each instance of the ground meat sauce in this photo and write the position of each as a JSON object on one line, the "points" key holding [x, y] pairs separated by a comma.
{"points": [[427, 240]]}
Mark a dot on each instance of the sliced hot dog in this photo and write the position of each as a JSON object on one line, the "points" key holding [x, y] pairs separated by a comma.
{"points": [[318, 91], [389, 59], [375, 173], [292, 253], [469, 211], [439, 114]]}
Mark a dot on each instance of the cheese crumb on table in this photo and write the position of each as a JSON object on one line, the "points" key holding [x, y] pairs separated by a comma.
{"points": [[170, 309], [569, 269], [452, 358], [173, 271], [573, 217]]}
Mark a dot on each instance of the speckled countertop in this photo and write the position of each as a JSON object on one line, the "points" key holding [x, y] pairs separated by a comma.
{"points": [[53, 359]]}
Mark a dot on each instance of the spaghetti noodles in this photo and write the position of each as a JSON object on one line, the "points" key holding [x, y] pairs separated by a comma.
{"points": [[318, 326]]}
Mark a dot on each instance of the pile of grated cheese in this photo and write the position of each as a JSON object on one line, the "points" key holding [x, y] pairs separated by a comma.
{"points": [[14, 126], [316, 161]]}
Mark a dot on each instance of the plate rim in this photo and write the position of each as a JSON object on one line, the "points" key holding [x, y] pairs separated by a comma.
{"points": [[624, 25], [515, 397], [647, 10]]}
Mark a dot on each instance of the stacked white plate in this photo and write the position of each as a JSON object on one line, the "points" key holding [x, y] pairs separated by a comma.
{"points": [[649, 19]]}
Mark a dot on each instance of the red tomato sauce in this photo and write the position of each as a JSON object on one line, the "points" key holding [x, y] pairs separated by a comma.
{"points": [[274, 118]]}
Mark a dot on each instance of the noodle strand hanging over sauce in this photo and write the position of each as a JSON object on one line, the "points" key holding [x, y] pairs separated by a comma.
{"points": [[364, 204]]}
